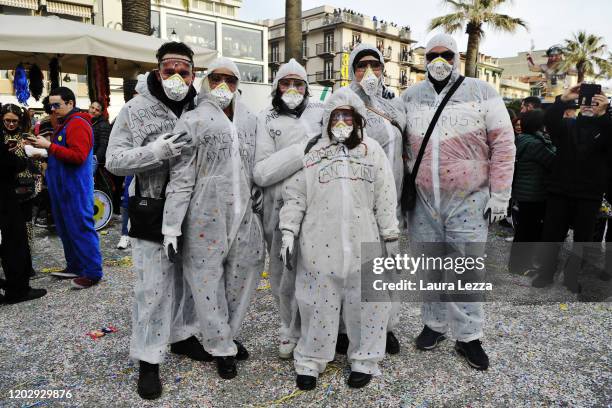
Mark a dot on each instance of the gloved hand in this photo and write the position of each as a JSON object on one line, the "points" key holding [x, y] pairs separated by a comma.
{"points": [[496, 208], [392, 248], [387, 93], [257, 198], [166, 146], [170, 247], [311, 143], [34, 152], [286, 252]]}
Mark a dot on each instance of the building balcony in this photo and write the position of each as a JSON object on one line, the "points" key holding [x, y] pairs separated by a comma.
{"points": [[326, 49], [327, 78], [275, 58], [405, 58]]}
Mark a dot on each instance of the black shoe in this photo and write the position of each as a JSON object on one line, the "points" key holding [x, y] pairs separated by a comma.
{"points": [[342, 343], [226, 367], [393, 344], [358, 380], [149, 385], [429, 339], [541, 281], [32, 273], [306, 382], [31, 294], [473, 353], [242, 354], [191, 348]]}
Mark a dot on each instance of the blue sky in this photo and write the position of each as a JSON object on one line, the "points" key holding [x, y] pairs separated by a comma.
{"points": [[550, 21]]}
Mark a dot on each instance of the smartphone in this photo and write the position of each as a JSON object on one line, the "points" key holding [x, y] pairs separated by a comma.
{"points": [[587, 91]]}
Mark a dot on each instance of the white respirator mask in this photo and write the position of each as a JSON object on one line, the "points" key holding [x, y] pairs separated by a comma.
{"points": [[439, 69], [369, 82], [341, 131], [292, 98], [175, 87], [222, 95]]}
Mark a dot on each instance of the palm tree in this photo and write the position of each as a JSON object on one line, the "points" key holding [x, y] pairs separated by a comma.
{"points": [[293, 29], [585, 53], [474, 14], [136, 18]]}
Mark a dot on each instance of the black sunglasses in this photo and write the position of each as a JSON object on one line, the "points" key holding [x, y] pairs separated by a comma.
{"points": [[447, 55]]}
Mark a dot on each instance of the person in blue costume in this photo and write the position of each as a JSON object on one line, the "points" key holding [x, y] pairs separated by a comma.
{"points": [[70, 183]]}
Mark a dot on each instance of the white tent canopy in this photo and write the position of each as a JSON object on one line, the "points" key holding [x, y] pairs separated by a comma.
{"points": [[38, 39]]}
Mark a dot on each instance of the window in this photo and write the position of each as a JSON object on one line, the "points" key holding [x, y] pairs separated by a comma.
{"points": [[329, 41], [355, 39], [404, 53], [273, 74], [155, 23], [380, 44], [487, 77], [242, 43], [328, 69], [250, 72], [304, 48], [403, 77], [274, 52], [191, 30]]}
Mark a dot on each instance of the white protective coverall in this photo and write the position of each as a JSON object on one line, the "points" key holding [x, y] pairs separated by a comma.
{"points": [[208, 203], [469, 158], [339, 199], [163, 310], [385, 133], [281, 140]]}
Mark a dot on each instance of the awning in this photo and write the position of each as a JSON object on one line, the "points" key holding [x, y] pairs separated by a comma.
{"points": [[27, 4], [69, 9], [37, 40]]}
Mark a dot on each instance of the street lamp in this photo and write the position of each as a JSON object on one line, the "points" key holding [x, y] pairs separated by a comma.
{"points": [[174, 36]]}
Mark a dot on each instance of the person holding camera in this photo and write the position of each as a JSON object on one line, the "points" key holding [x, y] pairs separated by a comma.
{"points": [[578, 180]]}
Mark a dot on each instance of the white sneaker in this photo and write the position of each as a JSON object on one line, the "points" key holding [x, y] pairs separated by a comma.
{"points": [[64, 275], [124, 242], [285, 349]]}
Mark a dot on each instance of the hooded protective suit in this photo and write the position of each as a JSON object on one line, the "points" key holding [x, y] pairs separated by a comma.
{"points": [[208, 203], [281, 140], [163, 309], [339, 199], [388, 135], [468, 160]]}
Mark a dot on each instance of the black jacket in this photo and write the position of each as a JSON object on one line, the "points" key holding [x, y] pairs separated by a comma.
{"points": [[10, 166], [535, 155], [101, 132], [584, 152]]}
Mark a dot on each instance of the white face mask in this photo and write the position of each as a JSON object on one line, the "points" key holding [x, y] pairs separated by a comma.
{"points": [[222, 95], [369, 82], [439, 69], [341, 132], [292, 98], [175, 87]]}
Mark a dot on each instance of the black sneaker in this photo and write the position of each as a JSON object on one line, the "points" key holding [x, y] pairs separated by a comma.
{"points": [[242, 354], [191, 348], [226, 367], [393, 344], [342, 343], [429, 339], [473, 353], [149, 385], [31, 294], [358, 380], [541, 281], [306, 382]]}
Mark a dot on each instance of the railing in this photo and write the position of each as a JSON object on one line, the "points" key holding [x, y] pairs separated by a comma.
{"points": [[405, 58], [326, 76], [326, 48]]}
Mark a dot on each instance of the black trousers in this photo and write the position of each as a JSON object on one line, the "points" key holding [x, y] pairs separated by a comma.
{"points": [[14, 250], [561, 212], [528, 226]]}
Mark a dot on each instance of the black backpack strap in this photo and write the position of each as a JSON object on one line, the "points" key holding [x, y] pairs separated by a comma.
{"points": [[432, 125]]}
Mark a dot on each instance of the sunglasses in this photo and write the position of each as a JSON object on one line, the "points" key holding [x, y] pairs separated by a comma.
{"points": [[296, 83], [169, 67], [447, 55], [344, 116], [55, 105], [362, 65], [218, 78], [11, 121]]}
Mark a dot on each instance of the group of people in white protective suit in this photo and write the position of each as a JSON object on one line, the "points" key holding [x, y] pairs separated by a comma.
{"points": [[325, 178]]}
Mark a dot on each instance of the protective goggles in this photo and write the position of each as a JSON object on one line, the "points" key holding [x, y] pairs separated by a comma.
{"points": [[345, 116], [362, 65], [11, 121], [171, 66], [218, 78], [447, 55], [296, 83]]}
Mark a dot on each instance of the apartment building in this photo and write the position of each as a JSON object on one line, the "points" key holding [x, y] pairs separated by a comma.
{"points": [[328, 37]]}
